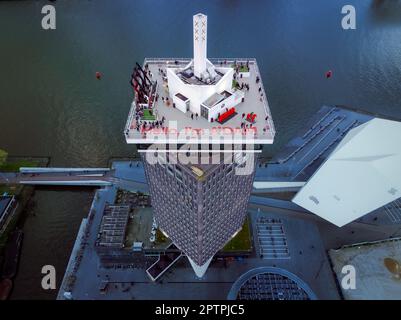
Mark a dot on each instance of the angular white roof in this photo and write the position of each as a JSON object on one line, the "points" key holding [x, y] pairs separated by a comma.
{"points": [[362, 174]]}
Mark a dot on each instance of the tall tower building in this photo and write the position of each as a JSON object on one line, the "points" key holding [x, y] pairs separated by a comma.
{"points": [[200, 198], [200, 207], [200, 44]]}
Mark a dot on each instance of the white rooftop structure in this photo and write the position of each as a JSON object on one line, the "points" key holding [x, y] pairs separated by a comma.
{"points": [[183, 100], [362, 174], [200, 44]]}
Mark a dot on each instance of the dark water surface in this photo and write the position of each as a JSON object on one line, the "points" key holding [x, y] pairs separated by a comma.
{"points": [[52, 105]]}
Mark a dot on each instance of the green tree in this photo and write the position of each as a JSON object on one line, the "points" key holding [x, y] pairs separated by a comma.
{"points": [[3, 157]]}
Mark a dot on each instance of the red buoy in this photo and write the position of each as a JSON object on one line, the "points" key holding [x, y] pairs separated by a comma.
{"points": [[98, 75], [329, 74]]}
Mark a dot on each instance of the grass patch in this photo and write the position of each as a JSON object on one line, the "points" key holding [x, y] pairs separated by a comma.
{"points": [[13, 166], [22, 194], [13, 189], [242, 241], [242, 68], [160, 237], [235, 84], [147, 115], [129, 236]]}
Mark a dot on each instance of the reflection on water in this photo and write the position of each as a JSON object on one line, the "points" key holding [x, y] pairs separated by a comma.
{"points": [[49, 236], [386, 12], [52, 105]]}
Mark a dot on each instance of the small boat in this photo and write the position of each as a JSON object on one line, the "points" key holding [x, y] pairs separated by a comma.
{"points": [[329, 74], [6, 286], [98, 75]]}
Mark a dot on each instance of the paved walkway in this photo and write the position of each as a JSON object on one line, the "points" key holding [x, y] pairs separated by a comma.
{"points": [[180, 281], [66, 177], [125, 174]]}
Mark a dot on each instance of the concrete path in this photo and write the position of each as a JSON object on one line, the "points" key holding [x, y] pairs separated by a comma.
{"points": [[58, 177], [125, 174]]}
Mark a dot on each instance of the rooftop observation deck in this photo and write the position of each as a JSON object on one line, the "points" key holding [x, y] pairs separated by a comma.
{"points": [[179, 127]]}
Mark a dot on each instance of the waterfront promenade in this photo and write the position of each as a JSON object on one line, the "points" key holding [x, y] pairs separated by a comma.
{"points": [[307, 260], [125, 174]]}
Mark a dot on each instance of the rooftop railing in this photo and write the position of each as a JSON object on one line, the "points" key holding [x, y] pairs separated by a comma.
{"points": [[267, 109], [183, 61], [130, 118]]}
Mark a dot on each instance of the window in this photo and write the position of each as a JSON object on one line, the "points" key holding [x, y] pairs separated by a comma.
{"points": [[204, 112], [170, 170]]}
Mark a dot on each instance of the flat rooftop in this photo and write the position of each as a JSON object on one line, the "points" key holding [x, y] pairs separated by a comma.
{"points": [[308, 261], [262, 131], [200, 170], [181, 96], [187, 76], [374, 280], [216, 98], [112, 228]]}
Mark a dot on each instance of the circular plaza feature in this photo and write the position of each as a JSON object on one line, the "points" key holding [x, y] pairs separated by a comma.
{"points": [[270, 283]]}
